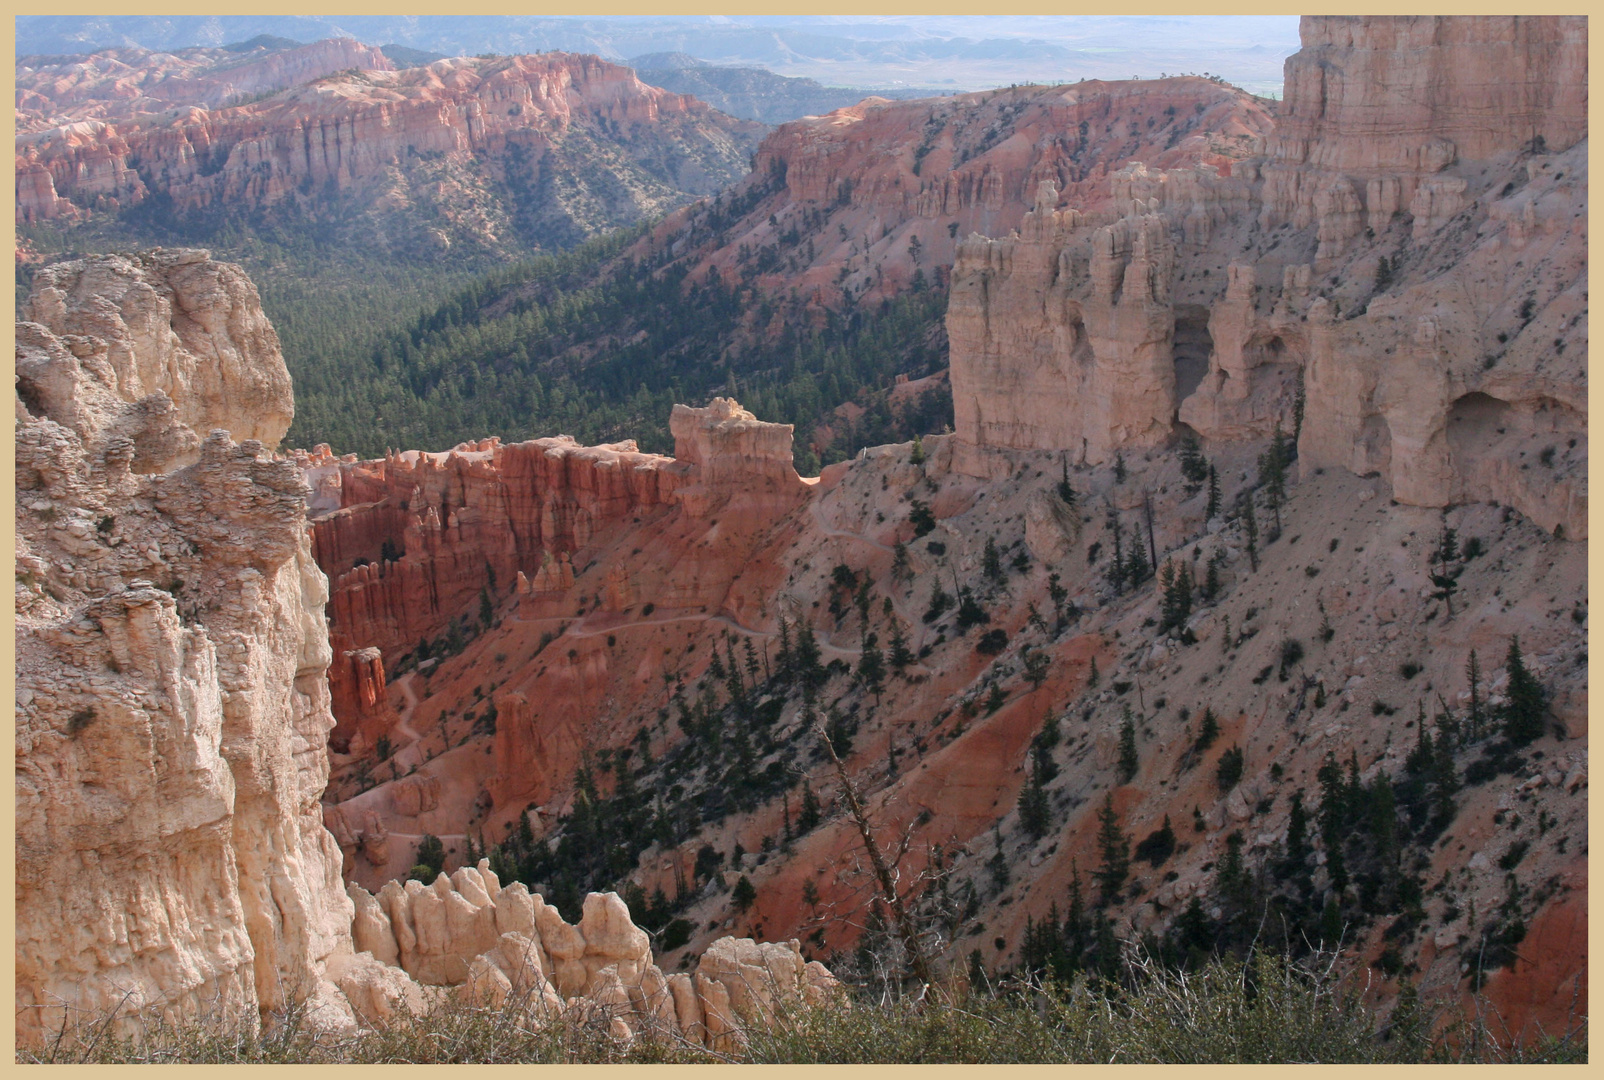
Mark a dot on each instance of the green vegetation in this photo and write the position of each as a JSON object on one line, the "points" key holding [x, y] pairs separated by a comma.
{"points": [[1265, 1010], [426, 352]]}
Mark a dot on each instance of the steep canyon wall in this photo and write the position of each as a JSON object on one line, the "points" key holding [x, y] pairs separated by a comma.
{"points": [[1410, 252]]}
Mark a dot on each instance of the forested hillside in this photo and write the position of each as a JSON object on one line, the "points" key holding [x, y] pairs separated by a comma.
{"points": [[601, 350]]}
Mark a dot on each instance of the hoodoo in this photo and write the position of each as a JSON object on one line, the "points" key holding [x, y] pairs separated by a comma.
{"points": [[1403, 271]]}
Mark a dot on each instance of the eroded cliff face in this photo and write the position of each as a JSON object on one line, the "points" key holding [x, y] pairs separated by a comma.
{"points": [[124, 83], [1405, 267], [172, 706], [428, 156], [173, 697], [866, 200]]}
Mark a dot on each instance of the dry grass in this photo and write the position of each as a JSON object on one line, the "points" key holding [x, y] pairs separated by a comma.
{"points": [[1268, 1011]]}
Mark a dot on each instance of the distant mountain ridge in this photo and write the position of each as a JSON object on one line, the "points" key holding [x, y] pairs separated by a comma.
{"points": [[753, 93]]}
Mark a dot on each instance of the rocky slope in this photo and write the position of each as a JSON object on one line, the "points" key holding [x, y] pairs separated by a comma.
{"points": [[173, 709], [1436, 325], [854, 204], [128, 84], [546, 149], [1082, 348]]}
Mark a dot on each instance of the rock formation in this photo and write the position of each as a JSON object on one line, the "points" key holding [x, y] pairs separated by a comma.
{"points": [[1415, 321], [434, 154], [468, 930], [868, 198], [173, 707], [172, 702], [129, 83]]}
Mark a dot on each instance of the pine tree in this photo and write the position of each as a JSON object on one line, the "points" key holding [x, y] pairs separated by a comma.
{"points": [[1120, 472], [1250, 526], [1525, 701], [1128, 761], [1115, 848], [1211, 583], [1213, 510], [743, 894], [1297, 842], [1059, 595], [1273, 473], [991, 562], [1473, 676], [900, 571], [901, 656], [1117, 569], [1065, 491], [1033, 809], [1208, 730], [871, 665], [1442, 576], [808, 818], [1177, 604], [487, 610], [917, 455], [1092, 679], [1194, 466]]}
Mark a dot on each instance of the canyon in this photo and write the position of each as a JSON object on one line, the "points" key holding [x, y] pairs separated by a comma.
{"points": [[173, 711], [589, 668], [465, 151]]}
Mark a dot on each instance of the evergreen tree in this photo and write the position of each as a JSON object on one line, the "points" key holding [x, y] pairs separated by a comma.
{"points": [[1273, 473], [1213, 510], [1120, 472], [1177, 604], [1250, 527], [1525, 701], [1211, 583], [871, 665], [1194, 466], [743, 894], [1059, 595], [1443, 577], [900, 571], [487, 611], [1475, 718], [991, 562], [1034, 810], [1208, 730], [808, 818], [1128, 762], [917, 455], [901, 656], [1115, 848], [1065, 491]]}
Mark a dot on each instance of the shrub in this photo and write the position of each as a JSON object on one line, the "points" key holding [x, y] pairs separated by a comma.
{"points": [[1229, 769], [992, 642]]}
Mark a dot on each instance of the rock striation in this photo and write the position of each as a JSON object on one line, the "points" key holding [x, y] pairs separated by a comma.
{"points": [[425, 157], [1400, 278], [172, 705], [869, 200], [126, 83]]}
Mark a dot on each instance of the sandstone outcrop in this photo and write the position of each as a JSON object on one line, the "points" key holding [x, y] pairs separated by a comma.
{"points": [[419, 535], [430, 156], [868, 199], [469, 930], [171, 850], [126, 83], [1400, 278], [172, 705]]}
